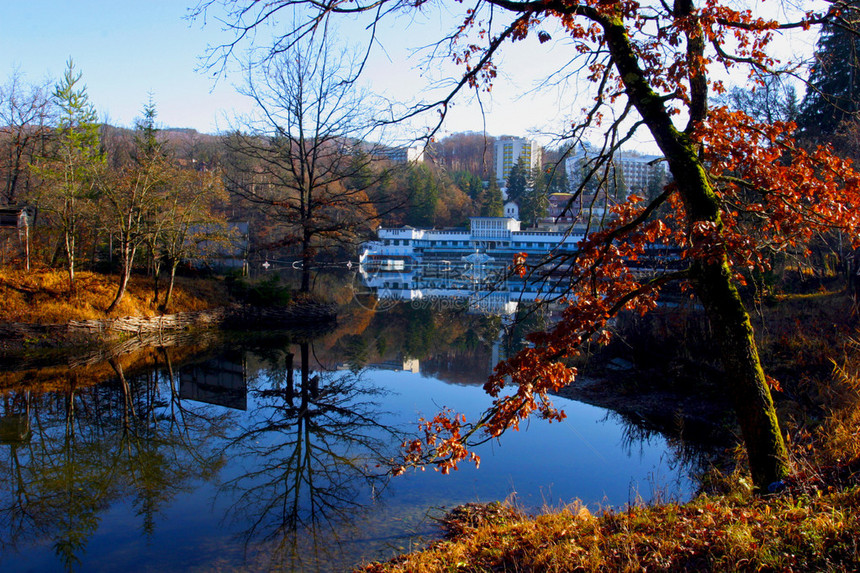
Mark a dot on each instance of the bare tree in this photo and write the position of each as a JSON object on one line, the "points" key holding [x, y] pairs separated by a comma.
{"points": [[25, 115], [188, 223], [130, 196], [304, 160]]}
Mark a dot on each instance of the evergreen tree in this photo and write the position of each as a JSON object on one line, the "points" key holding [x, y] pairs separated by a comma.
{"points": [[833, 93], [146, 139], [535, 202], [69, 175], [469, 183], [517, 181], [492, 203], [423, 195], [556, 177]]}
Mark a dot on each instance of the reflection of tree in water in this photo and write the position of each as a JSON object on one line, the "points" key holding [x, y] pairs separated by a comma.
{"points": [[693, 448], [311, 453], [529, 318], [89, 447]]}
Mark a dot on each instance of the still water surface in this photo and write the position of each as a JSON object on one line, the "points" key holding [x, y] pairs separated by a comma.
{"points": [[262, 453]]}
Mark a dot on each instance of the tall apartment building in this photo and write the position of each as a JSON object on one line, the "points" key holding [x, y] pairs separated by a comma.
{"points": [[508, 150], [629, 172]]}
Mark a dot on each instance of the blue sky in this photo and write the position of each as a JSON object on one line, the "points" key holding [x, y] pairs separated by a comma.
{"points": [[126, 50]]}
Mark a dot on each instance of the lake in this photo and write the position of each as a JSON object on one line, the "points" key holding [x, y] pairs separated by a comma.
{"points": [[268, 451]]}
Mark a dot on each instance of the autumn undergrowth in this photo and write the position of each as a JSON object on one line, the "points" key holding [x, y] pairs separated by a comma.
{"points": [[42, 296], [811, 524], [710, 533]]}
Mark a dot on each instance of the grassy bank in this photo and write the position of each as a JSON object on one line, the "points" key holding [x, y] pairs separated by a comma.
{"points": [[808, 532], [42, 296], [812, 525]]}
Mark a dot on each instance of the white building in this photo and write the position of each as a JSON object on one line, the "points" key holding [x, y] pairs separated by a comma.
{"points": [[413, 154], [508, 150], [638, 171], [498, 237]]}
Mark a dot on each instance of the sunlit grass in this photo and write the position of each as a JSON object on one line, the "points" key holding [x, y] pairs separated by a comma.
{"points": [[42, 296], [711, 533]]}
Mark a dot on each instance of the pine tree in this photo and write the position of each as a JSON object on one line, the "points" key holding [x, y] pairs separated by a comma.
{"points": [[146, 139], [535, 202], [517, 181], [492, 204], [423, 193], [833, 93], [69, 175]]}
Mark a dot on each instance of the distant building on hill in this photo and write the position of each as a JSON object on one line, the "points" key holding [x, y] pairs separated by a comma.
{"points": [[508, 150], [221, 246], [586, 207], [407, 154], [636, 172]]}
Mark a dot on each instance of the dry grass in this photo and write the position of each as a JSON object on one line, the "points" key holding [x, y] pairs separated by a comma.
{"points": [[42, 296], [806, 533]]}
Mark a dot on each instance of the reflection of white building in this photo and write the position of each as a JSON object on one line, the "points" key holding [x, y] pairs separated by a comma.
{"points": [[454, 289], [468, 267], [219, 381], [403, 364]]}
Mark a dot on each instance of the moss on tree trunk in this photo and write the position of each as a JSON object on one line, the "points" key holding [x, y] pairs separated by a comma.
{"points": [[745, 377]]}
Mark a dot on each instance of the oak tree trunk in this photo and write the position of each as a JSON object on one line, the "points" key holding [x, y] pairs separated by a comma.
{"points": [[711, 276]]}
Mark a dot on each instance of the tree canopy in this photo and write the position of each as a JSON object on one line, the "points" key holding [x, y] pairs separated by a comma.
{"points": [[833, 94]]}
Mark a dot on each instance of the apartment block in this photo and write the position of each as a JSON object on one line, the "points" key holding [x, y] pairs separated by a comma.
{"points": [[508, 150]]}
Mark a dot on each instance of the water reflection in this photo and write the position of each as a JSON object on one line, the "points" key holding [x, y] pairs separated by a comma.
{"points": [[312, 451], [471, 283], [262, 450], [89, 447]]}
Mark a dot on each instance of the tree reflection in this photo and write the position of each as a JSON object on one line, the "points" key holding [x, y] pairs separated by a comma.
{"points": [[89, 447], [692, 444], [311, 453]]}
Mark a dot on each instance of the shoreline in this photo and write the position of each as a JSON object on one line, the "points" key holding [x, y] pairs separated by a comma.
{"points": [[109, 328]]}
